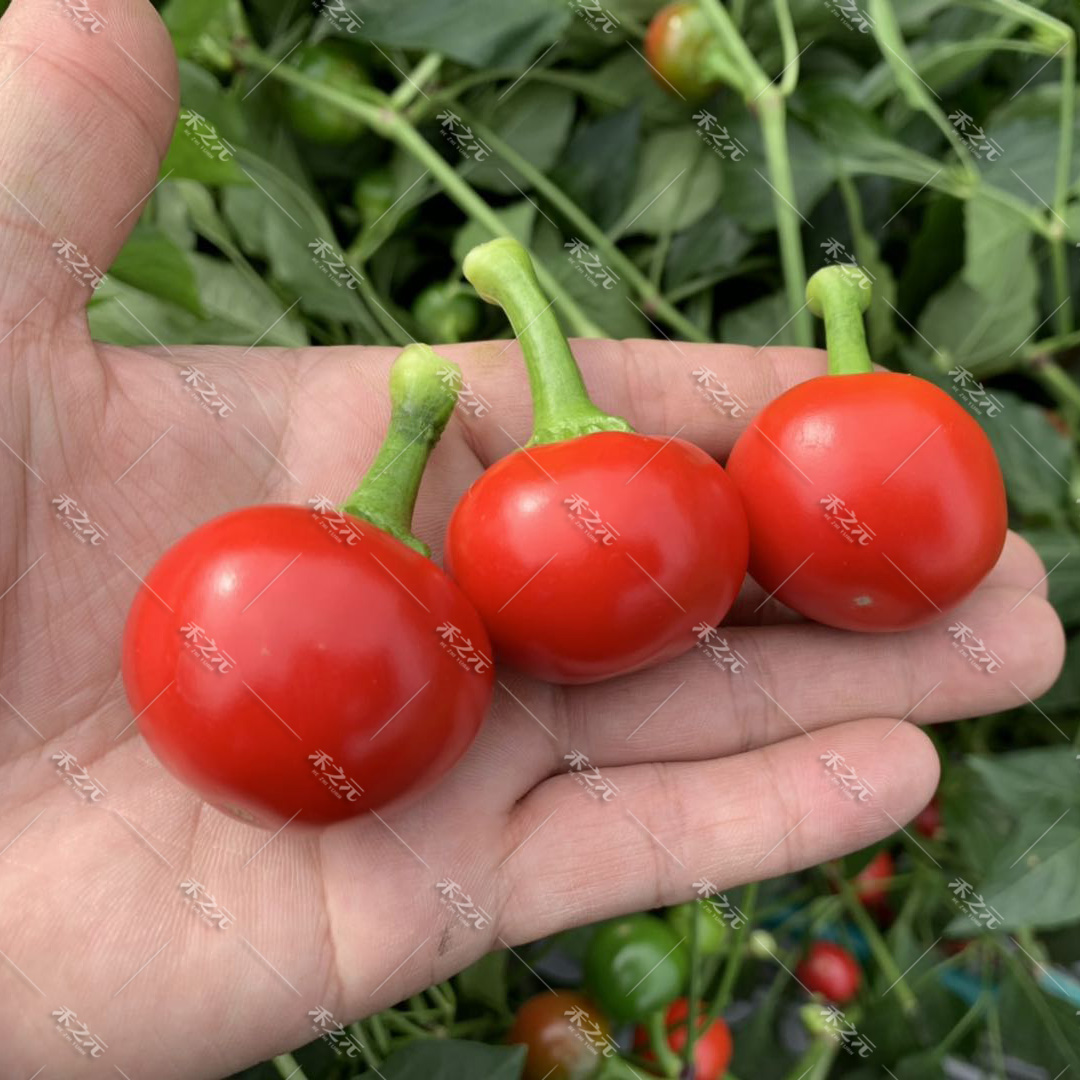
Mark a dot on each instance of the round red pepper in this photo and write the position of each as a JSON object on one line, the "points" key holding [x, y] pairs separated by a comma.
{"points": [[871, 882], [712, 1046], [830, 970], [928, 821], [679, 44], [594, 551], [566, 1036], [874, 499], [290, 661]]}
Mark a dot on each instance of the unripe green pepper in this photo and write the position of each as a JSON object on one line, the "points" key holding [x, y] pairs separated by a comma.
{"points": [[634, 966], [446, 312], [313, 118]]}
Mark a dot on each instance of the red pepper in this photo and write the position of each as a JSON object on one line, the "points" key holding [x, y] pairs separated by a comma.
{"points": [[287, 661], [593, 551], [678, 46], [928, 821], [712, 1046], [871, 882], [830, 970], [874, 499]]}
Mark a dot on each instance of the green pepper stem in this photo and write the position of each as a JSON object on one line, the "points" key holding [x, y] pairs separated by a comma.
{"points": [[840, 295], [667, 1058], [503, 274], [423, 392]]}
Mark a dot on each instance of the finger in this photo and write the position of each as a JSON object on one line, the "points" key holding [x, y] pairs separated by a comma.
{"points": [[575, 859], [758, 685], [86, 118], [705, 393]]}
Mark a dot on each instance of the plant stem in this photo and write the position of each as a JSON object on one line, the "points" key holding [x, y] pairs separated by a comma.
{"points": [[413, 83], [789, 79], [668, 1060], [580, 84], [397, 334], [752, 80], [734, 959], [817, 1061], [772, 117], [1056, 344], [359, 1033], [692, 991], [423, 392], [378, 1031], [502, 273], [878, 946], [385, 121], [840, 295], [442, 1002], [1064, 315], [653, 299], [288, 1067], [1056, 380]]}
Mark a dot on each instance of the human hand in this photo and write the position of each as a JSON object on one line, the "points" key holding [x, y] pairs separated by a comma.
{"points": [[719, 775]]}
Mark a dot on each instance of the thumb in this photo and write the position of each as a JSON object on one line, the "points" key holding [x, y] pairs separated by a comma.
{"points": [[88, 100]]}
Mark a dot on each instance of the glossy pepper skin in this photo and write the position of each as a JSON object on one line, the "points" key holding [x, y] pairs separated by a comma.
{"points": [[565, 600], [285, 661], [830, 970], [634, 966], [712, 1045], [550, 1026], [875, 501], [595, 550], [315, 119], [677, 43]]}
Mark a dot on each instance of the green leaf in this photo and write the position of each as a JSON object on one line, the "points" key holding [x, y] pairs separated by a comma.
{"points": [[1060, 551], [485, 981], [202, 25], [1034, 876], [1026, 129], [209, 129], [996, 242], [1033, 454], [678, 182], [1064, 695], [859, 139], [152, 262], [585, 173], [480, 33], [747, 197], [1035, 881], [760, 323], [613, 308], [281, 220], [1020, 777], [198, 151], [518, 217], [236, 314], [715, 243], [534, 119], [1037, 1026], [454, 1059], [978, 331]]}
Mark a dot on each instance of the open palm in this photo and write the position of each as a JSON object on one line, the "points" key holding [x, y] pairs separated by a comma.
{"points": [[718, 774]]}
